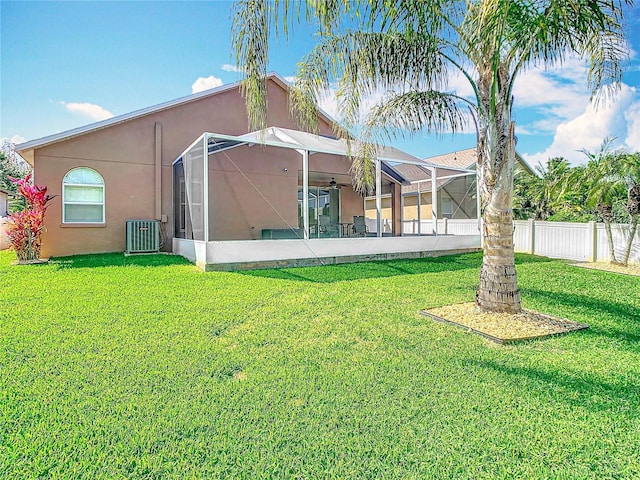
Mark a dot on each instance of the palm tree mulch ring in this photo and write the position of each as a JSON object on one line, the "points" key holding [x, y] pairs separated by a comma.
{"points": [[502, 328]]}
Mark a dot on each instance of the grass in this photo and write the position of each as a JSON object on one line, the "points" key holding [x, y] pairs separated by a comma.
{"points": [[145, 367]]}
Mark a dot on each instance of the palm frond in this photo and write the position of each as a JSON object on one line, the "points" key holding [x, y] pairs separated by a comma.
{"points": [[250, 33], [416, 111]]}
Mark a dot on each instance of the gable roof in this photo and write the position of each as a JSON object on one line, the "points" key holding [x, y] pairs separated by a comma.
{"points": [[460, 159], [467, 159], [25, 147], [448, 164]]}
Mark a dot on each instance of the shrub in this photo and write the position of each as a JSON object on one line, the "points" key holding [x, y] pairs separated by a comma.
{"points": [[25, 228]]}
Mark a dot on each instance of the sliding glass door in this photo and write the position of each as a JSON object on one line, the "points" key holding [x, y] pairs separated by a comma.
{"points": [[323, 212]]}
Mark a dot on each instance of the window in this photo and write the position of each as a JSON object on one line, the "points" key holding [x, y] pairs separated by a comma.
{"points": [[447, 207], [82, 196]]}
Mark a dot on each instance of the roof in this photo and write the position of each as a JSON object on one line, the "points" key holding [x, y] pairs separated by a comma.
{"points": [[460, 159], [467, 159], [58, 137], [421, 174], [312, 143], [326, 144], [2, 190]]}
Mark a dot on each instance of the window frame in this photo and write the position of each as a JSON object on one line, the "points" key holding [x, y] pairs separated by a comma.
{"points": [[81, 185], [449, 201]]}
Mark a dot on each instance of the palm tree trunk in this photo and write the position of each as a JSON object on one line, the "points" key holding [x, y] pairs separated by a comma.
{"points": [[498, 289], [612, 250], [631, 234]]}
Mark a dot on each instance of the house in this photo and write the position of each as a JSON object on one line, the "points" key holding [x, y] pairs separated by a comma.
{"points": [[4, 202], [4, 205], [221, 195], [455, 198]]}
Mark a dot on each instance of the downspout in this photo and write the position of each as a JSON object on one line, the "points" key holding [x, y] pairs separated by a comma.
{"points": [[158, 171], [378, 197]]}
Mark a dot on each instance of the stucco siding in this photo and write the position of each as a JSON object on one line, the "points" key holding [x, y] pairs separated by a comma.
{"points": [[125, 155]]}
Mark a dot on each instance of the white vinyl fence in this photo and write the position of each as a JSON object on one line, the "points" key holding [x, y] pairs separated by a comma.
{"points": [[586, 242], [445, 227]]}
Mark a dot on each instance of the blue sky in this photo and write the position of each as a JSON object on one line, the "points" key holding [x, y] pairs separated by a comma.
{"points": [[67, 64]]}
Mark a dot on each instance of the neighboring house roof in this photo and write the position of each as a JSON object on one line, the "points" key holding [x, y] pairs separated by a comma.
{"points": [[467, 159], [26, 147], [4, 191], [461, 159]]}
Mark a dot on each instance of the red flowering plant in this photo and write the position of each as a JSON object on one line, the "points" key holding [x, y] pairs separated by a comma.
{"points": [[25, 228]]}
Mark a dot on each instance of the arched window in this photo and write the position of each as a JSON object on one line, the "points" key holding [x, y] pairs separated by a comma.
{"points": [[82, 196]]}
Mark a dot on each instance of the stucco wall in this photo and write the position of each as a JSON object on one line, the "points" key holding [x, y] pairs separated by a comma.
{"points": [[125, 156], [3, 204], [4, 240], [256, 188], [249, 191]]}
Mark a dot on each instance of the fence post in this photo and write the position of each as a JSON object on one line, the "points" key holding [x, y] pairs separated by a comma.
{"points": [[445, 225], [532, 236], [593, 241]]}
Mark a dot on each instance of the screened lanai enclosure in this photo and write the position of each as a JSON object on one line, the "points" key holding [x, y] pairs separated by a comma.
{"points": [[284, 197]]}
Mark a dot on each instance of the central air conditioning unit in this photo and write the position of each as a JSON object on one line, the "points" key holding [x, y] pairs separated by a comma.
{"points": [[143, 236]]}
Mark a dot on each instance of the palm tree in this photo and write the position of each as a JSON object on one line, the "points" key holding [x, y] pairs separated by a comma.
{"points": [[609, 177], [630, 168], [545, 194], [603, 184], [410, 49]]}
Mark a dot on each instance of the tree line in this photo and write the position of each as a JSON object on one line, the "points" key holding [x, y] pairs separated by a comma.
{"points": [[605, 189]]}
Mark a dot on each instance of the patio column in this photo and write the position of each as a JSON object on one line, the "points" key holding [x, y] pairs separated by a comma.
{"points": [[401, 212], [419, 211], [205, 190], [434, 200], [396, 209], [378, 198], [305, 193], [478, 214]]}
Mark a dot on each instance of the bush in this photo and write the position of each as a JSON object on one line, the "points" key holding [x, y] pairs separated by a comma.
{"points": [[25, 228]]}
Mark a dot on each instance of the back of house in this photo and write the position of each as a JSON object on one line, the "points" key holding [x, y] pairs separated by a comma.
{"points": [[121, 169]]}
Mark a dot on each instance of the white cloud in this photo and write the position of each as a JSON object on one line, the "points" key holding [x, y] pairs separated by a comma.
{"points": [[558, 93], [632, 115], [91, 110], [615, 118], [14, 139], [522, 131], [205, 83], [227, 67], [460, 85]]}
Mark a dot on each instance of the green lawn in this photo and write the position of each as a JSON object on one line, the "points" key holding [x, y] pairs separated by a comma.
{"points": [[145, 367]]}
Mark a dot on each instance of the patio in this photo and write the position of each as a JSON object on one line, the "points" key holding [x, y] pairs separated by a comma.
{"points": [[234, 208]]}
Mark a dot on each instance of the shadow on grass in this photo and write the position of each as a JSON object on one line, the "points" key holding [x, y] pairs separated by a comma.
{"points": [[381, 269], [586, 390], [117, 260], [624, 324], [366, 270]]}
